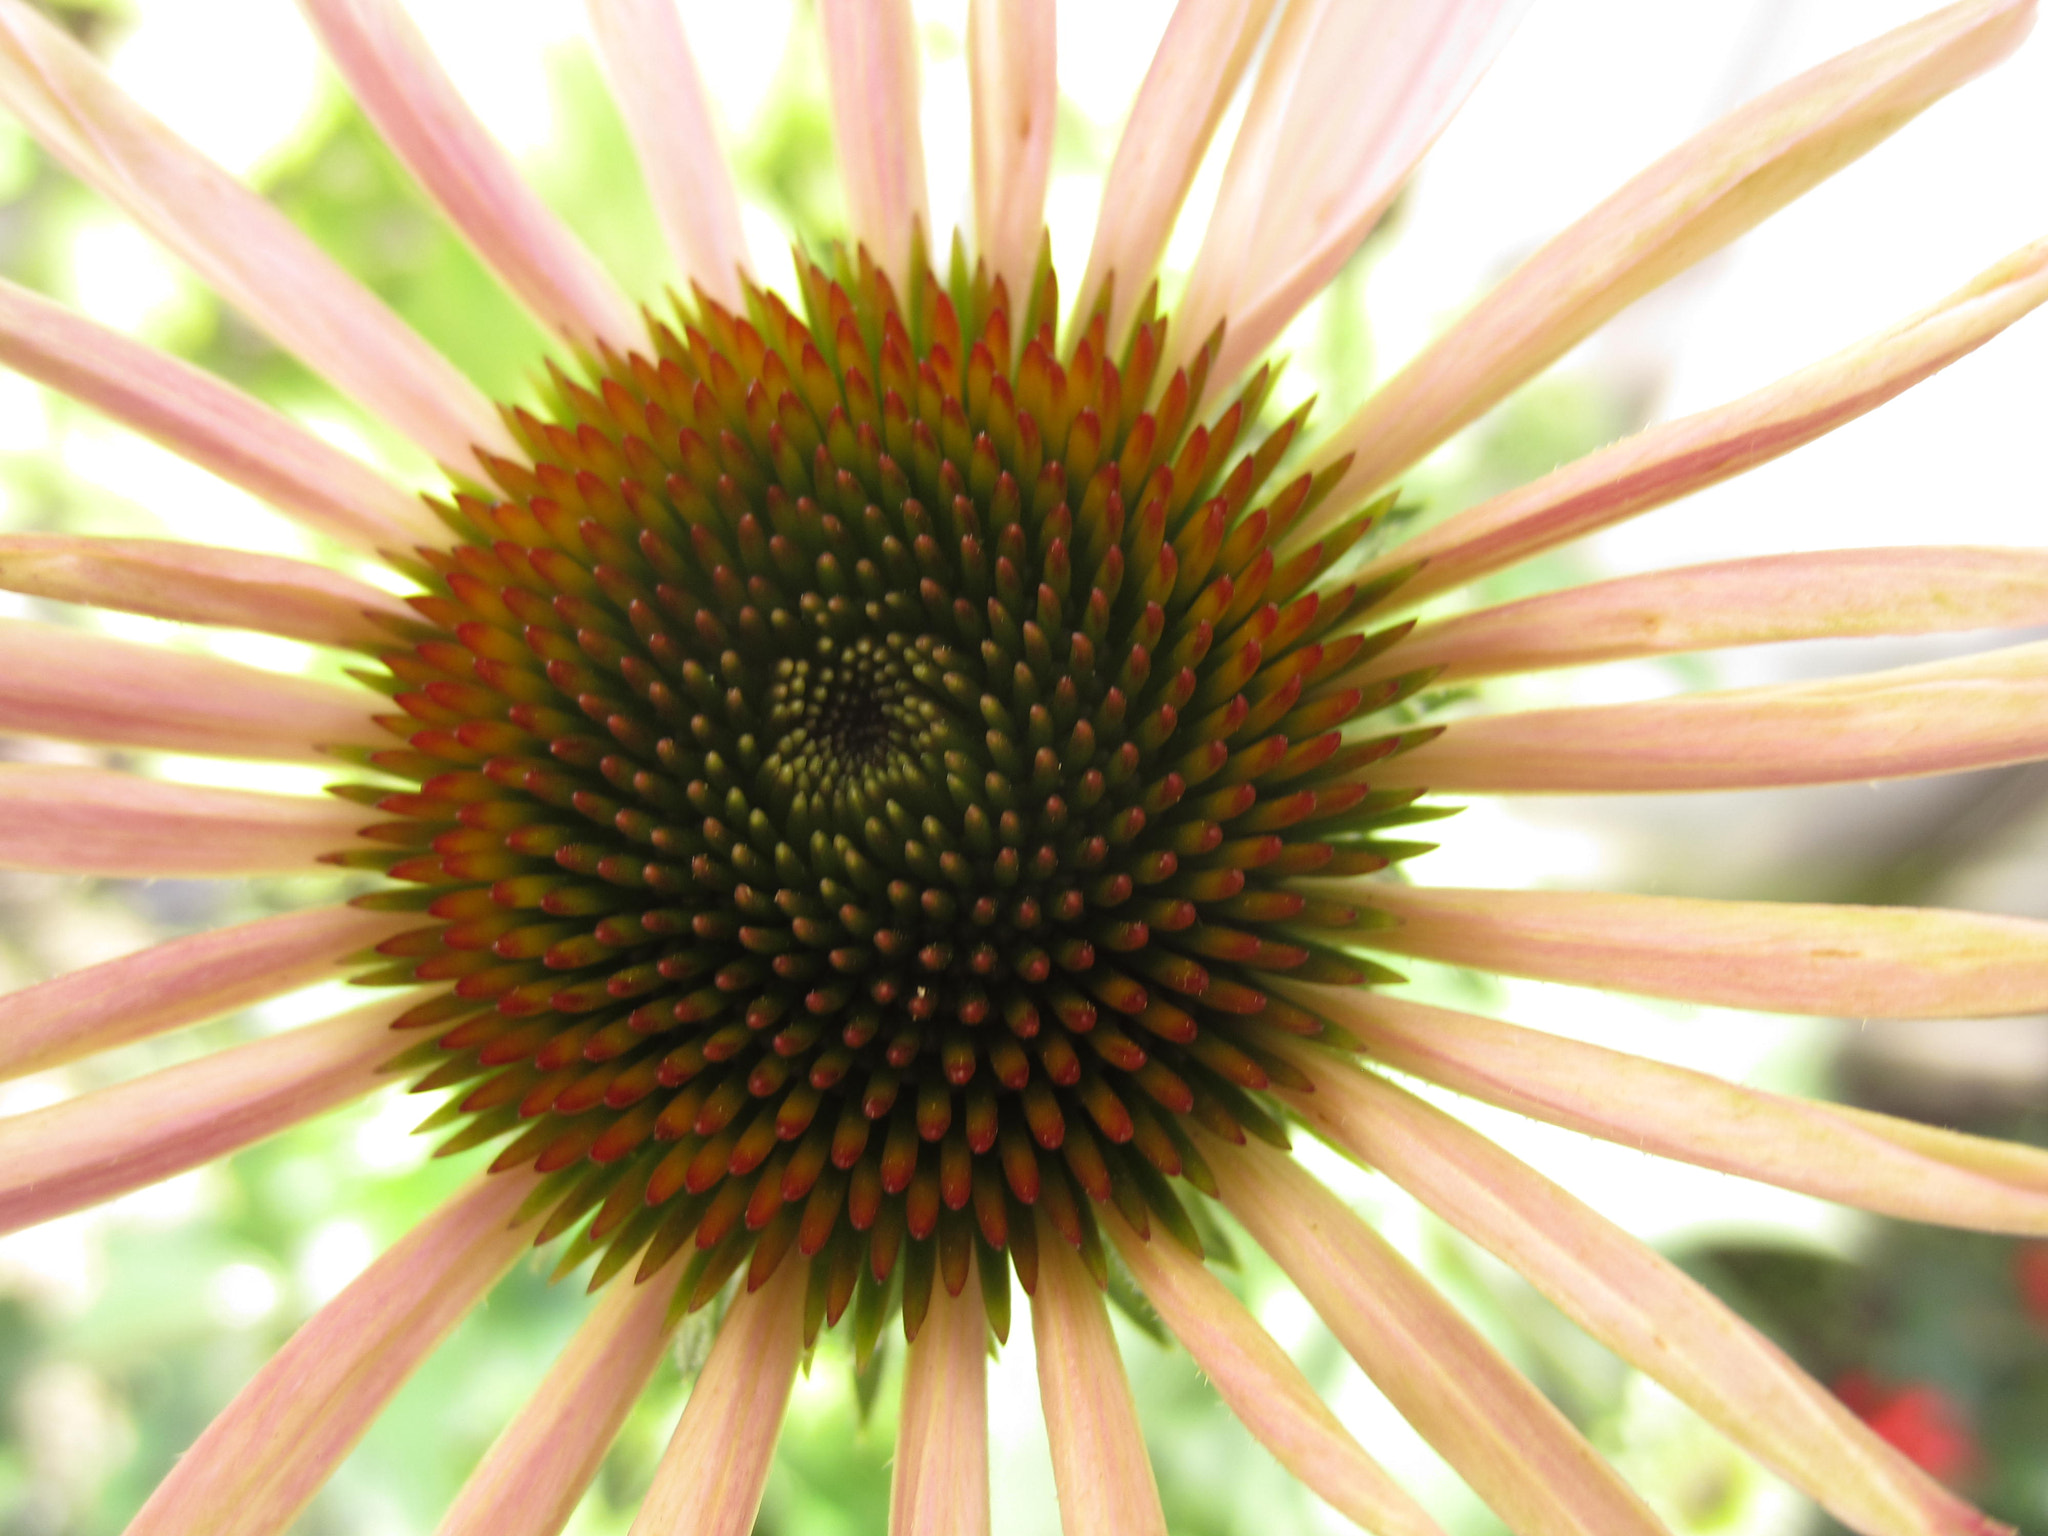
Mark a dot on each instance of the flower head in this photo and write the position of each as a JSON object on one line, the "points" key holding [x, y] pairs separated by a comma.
{"points": [[898, 785]]}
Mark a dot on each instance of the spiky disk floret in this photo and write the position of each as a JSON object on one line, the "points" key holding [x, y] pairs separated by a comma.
{"points": [[860, 767]]}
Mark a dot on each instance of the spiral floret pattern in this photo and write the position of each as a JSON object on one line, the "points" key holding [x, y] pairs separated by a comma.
{"points": [[861, 778]]}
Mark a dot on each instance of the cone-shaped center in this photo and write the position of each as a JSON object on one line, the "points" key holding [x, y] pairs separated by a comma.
{"points": [[858, 773]]}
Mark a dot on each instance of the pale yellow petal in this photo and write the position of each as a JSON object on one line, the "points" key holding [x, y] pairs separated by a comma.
{"points": [[711, 1476], [1099, 1465], [659, 91], [1692, 202], [181, 981], [1872, 1161], [269, 1452], [1631, 1299]]}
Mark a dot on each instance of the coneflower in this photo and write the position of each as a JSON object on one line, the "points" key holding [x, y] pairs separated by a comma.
{"points": [[886, 791]]}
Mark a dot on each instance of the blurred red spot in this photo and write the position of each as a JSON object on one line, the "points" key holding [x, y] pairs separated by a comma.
{"points": [[2030, 1278], [1919, 1420]]}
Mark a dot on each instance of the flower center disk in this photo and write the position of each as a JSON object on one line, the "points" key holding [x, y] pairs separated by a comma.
{"points": [[859, 776]]}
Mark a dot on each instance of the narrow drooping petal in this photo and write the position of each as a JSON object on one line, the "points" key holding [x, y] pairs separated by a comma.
{"points": [[530, 1480], [871, 65], [1196, 71], [269, 1452], [1832, 594], [182, 981], [77, 686], [1099, 1466], [248, 251], [1672, 460], [1516, 1451], [212, 424], [112, 1140], [939, 1486], [1264, 1388], [1015, 81], [1982, 711], [1350, 95], [406, 93], [1631, 1299], [93, 821], [1872, 1161], [1782, 956], [711, 1476], [200, 584], [1695, 200], [655, 81]]}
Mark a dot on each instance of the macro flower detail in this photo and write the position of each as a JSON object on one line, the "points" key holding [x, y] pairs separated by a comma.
{"points": [[884, 798]]}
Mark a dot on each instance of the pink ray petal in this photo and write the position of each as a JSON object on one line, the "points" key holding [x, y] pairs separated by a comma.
{"points": [[1695, 200], [871, 66], [1496, 1430], [1264, 1388], [268, 1453], [107, 1142], [940, 1483], [77, 686], [1015, 80], [1196, 71], [1871, 1161], [93, 821], [1672, 460], [532, 1477], [213, 424], [1981, 711], [1633, 1300], [655, 82], [1350, 95], [711, 1476], [249, 252], [405, 92], [1780, 956], [201, 584], [1099, 1466], [182, 981], [1830, 595]]}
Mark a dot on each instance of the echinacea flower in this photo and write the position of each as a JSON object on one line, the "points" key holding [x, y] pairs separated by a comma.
{"points": [[898, 784]]}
